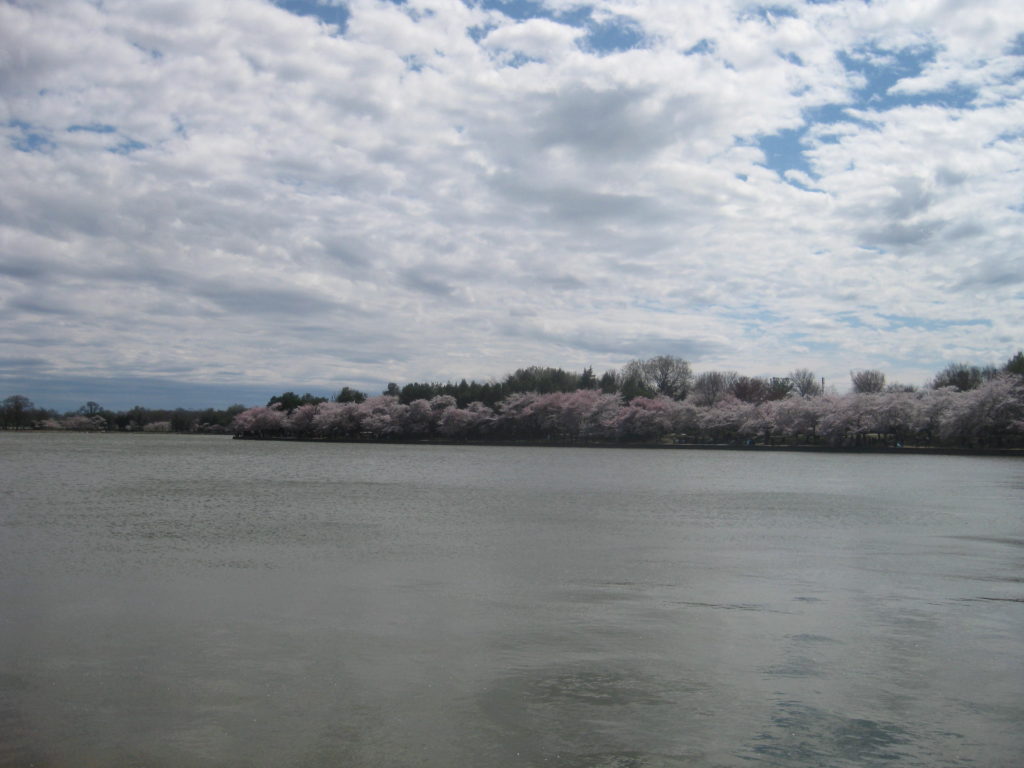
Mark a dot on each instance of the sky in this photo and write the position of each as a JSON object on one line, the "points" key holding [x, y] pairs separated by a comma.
{"points": [[206, 202]]}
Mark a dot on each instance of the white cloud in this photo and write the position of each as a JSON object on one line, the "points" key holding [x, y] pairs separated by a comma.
{"points": [[539, 39], [442, 191]]}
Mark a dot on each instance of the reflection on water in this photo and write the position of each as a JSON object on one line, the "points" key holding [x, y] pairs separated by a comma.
{"points": [[171, 601], [805, 735]]}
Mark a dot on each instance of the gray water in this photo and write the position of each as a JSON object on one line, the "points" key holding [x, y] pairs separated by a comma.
{"points": [[198, 601]]}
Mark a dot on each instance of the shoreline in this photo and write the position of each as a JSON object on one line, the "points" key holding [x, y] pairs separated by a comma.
{"points": [[915, 450], [890, 450]]}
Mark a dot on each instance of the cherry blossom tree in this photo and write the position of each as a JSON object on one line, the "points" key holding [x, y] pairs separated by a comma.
{"points": [[645, 418], [849, 418], [484, 416], [594, 414], [986, 415], [516, 416], [761, 421], [261, 421], [722, 420], [895, 414], [337, 420], [722, 406], [420, 419], [456, 423], [464, 423], [382, 416], [80, 422], [932, 411], [797, 417], [300, 422]]}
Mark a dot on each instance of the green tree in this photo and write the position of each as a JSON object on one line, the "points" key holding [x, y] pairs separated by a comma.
{"points": [[289, 401], [417, 391], [633, 381], [1015, 364], [138, 417], [962, 376], [182, 420], [778, 388], [349, 395], [541, 380], [15, 412]]}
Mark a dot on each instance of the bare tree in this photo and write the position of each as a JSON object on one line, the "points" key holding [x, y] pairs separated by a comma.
{"points": [[663, 375], [711, 386], [805, 382], [868, 380], [750, 389], [669, 376]]}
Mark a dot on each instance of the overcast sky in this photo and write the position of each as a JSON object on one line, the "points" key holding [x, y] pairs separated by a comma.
{"points": [[209, 201]]}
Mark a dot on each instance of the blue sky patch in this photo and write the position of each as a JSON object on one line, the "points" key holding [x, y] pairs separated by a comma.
{"points": [[850, 319], [904, 321], [413, 63], [603, 36], [831, 113], [705, 45], [92, 128], [153, 53], [882, 69], [29, 139], [517, 60], [479, 33], [338, 14], [126, 147], [620, 34], [784, 151], [521, 10], [768, 13], [955, 96]]}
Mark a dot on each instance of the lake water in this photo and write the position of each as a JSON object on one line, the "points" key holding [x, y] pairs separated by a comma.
{"points": [[197, 601]]}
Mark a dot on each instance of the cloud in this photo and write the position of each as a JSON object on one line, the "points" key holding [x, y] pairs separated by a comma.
{"points": [[436, 189], [534, 39]]}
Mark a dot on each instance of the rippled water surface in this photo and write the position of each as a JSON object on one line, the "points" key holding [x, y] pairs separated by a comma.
{"points": [[198, 601]]}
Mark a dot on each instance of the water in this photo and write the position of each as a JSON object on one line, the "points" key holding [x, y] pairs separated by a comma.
{"points": [[198, 601]]}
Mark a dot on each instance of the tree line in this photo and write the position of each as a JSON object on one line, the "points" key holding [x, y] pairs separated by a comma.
{"points": [[662, 400], [657, 399], [19, 412]]}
